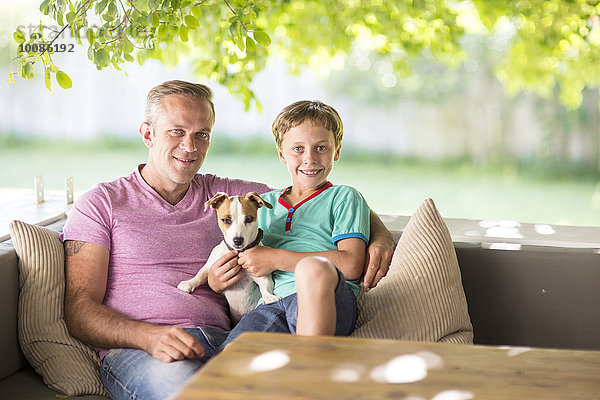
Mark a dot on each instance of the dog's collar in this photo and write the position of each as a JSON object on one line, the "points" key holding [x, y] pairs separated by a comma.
{"points": [[250, 245]]}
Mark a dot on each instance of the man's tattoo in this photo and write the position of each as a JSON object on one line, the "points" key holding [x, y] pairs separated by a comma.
{"points": [[72, 247]]}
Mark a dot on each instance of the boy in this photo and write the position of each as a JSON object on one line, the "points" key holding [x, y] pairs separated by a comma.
{"points": [[314, 237]]}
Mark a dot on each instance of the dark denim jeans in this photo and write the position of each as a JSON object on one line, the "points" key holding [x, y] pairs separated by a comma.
{"points": [[282, 315]]}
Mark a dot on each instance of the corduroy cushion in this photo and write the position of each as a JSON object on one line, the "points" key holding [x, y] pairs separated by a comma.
{"points": [[422, 297], [66, 364]]}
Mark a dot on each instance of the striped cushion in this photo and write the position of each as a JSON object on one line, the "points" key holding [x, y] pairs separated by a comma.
{"points": [[66, 364], [421, 298]]}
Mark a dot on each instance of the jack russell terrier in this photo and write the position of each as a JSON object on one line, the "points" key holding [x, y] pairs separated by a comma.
{"points": [[237, 219]]}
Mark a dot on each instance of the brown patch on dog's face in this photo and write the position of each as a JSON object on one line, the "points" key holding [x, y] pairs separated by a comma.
{"points": [[224, 217], [249, 209]]}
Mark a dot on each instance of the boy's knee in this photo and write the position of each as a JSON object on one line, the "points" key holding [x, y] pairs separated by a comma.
{"points": [[316, 271]]}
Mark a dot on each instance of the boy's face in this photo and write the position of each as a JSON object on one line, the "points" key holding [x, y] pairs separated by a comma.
{"points": [[309, 151]]}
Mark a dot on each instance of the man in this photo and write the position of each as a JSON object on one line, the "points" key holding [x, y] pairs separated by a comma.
{"points": [[129, 242]]}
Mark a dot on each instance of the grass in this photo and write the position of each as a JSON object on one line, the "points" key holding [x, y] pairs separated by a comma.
{"points": [[391, 185]]}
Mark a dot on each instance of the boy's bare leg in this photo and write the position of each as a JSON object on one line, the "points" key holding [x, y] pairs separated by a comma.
{"points": [[316, 280]]}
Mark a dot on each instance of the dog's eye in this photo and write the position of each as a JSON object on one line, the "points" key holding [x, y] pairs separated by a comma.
{"points": [[248, 220], [226, 221]]}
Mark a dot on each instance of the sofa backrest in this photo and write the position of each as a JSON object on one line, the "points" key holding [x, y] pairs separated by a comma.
{"points": [[536, 296], [10, 352]]}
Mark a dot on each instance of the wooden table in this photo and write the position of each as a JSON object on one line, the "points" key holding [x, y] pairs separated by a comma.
{"points": [[278, 366]]}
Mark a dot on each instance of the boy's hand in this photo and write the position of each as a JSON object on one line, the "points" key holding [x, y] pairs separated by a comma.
{"points": [[224, 272], [259, 260], [377, 262]]}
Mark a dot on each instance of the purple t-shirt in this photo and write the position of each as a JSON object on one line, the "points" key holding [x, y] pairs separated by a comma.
{"points": [[154, 245]]}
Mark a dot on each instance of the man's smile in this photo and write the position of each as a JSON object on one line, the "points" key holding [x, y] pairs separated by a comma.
{"points": [[185, 160]]}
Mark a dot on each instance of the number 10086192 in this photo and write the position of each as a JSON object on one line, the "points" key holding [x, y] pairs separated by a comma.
{"points": [[43, 47]]}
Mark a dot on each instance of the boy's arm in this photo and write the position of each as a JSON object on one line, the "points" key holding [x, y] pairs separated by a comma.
{"points": [[349, 258], [379, 253]]}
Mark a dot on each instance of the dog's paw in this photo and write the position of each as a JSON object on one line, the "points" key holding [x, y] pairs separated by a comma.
{"points": [[270, 298], [186, 286]]}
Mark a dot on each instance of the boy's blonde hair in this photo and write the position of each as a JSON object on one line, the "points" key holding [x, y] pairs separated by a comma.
{"points": [[196, 91], [308, 110]]}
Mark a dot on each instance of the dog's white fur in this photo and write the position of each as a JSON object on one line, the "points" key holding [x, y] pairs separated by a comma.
{"points": [[237, 220]]}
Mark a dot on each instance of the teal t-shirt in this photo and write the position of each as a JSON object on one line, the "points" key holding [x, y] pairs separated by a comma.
{"points": [[315, 224]]}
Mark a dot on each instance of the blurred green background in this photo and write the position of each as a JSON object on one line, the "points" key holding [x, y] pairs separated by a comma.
{"points": [[391, 184], [489, 108]]}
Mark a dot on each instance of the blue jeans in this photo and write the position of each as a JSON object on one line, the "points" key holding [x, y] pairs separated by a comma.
{"points": [[135, 374], [282, 315]]}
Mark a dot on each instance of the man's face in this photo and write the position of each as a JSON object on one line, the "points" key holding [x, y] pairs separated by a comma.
{"points": [[178, 140]]}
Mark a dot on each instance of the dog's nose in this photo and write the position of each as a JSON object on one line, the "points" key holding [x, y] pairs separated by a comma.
{"points": [[238, 240]]}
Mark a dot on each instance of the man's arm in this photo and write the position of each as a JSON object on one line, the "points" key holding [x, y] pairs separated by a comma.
{"points": [[379, 253], [86, 270]]}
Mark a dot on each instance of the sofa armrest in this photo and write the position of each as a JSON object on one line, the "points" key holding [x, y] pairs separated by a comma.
{"points": [[10, 351]]}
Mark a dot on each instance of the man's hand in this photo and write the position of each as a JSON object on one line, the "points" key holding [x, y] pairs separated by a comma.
{"points": [[377, 263], [224, 272], [171, 343], [259, 260], [379, 253]]}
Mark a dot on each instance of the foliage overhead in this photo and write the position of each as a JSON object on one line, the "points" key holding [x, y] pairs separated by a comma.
{"points": [[548, 46]]}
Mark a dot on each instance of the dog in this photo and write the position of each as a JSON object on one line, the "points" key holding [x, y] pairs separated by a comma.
{"points": [[237, 220]]}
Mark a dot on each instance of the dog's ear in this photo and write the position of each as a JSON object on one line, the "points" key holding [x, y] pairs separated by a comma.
{"points": [[216, 200], [253, 196]]}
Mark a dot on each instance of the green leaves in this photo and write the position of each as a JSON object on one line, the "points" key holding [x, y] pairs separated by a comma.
{"points": [[262, 38], [191, 21], [27, 70], [545, 45], [19, 36], [63, 80], [101, 58], [91, 37]]}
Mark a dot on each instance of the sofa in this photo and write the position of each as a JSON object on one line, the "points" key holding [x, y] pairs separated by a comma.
{"points": [[535, 297]]}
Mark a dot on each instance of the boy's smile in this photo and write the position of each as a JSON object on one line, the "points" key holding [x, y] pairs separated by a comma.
{"points": [[309, 151]]}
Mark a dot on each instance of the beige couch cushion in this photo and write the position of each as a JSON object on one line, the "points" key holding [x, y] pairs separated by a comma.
{"points": [[66, 364], [422, 297]]}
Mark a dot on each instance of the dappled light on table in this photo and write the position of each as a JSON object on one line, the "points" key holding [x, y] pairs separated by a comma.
{"points": [[269, 361], [401, 369], [454, 395]]}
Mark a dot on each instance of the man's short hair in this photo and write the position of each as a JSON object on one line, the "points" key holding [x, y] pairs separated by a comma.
{"points": [[308, 110], [194, 90]]}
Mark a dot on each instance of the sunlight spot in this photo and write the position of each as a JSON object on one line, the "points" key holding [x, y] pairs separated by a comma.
{"points": [[473, 233], [508, 224], [347, 373], [515, 351], [504, 232], [504, 246], [269, 361], [544, 229], [402, 369], [431, 359], [389, 80], [363, 63], [453, 395], [488, 223]]}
